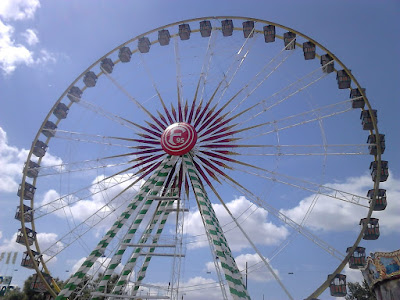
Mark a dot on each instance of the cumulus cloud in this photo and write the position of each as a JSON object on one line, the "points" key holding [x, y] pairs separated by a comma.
{"points": [[103, 199], [332, 215], [12, 162], [12, 53], [254, 223], [18, 9]]}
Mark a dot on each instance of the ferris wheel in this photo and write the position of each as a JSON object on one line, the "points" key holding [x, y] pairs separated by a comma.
{"points": [[183, 118]]}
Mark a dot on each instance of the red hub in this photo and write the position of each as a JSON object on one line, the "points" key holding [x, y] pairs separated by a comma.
{"points": [[178, 138]]}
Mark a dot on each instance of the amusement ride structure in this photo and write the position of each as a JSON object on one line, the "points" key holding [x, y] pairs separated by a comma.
{"points": [[187, 115]]}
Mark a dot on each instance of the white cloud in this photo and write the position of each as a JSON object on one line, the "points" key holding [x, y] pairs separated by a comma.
{"points": [[98, 267], [102, 193], [254, 223], [12, 161], [12, 53], [195, 288], [18, 9], [199, 288], [31, 37], [333, 215], [352, 275], [257, 271], [45, 240], [256, 268], [45, 57]]}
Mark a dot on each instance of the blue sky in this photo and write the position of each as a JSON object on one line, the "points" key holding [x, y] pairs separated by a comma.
{"points": [[45, 45]]}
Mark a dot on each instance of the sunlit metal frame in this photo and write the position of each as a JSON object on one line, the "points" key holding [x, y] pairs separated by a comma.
{"points": [[375, 131]]}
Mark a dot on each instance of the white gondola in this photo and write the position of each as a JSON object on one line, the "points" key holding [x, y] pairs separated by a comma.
{"points": [[164, 37], [125, 54], [357, 259], [380, 203], [49, 129], [309, 50], [90, 79], [33, 169], [144, 44], [337, 286], [372, 230], [248, 29], [343, 79], [107, 65], [227, 27], [205, 28], [27, 262], [75, 93], [39, 149], [28, 213], [373, 148], [288, 37], [61, 111], [366, 120], [31, 236], [184, 32], [373, 167], [358, 101], [269, 33], [327, 63], [29, 191]]}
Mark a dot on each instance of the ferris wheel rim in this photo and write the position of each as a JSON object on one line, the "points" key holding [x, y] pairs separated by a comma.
{"points": [[374, 131]]}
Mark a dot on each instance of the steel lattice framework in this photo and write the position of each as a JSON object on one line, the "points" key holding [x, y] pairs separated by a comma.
{"points": [[218, 133]]}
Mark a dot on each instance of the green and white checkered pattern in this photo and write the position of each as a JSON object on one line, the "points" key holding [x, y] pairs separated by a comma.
{"points": [[152, 189], [212, 226], [160, 213], [142, 271], [154, 180]]}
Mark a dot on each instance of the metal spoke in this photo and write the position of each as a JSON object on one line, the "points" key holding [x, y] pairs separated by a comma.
{"points": [[95, 139], [205, 68], [149, 74], [138, 104], [285, 219], [85, 226], [102, 112], [179, 85], [227, 78], [292, 121], [292, 150], [251, 86], [240, 58], [79, 166], [301, 184], [81, 194]]}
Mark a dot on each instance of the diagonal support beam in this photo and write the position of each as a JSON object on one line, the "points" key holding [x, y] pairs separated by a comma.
{"points": [[214, 230], [78, 277]]}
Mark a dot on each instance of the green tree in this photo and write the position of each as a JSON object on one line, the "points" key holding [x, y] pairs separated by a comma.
{"points": [[356, 291], [16, 294]]}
